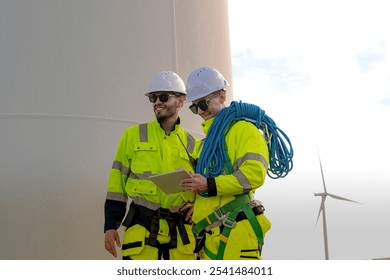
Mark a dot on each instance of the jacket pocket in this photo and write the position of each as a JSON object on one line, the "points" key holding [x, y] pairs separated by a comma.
{"points": [[264, 223], [141, 187], [145, 157], [188, 248], [133, 240]]}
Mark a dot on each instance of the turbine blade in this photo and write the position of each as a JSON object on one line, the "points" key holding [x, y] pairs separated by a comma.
{"points": [[321, 209], [322, 172], [342, 198]]}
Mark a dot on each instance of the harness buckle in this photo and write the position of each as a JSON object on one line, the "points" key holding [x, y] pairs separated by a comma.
{"points": [[163, 213], [229, 222], [218, 213]]}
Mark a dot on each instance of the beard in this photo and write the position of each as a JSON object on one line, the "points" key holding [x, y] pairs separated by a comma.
{"points": [[164, 113]]}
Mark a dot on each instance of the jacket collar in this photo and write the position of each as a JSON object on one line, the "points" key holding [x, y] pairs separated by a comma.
{"points": [[157, 123], [206, 125]]}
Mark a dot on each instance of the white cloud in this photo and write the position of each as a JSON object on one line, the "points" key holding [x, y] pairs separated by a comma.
{"points": [[327, 42]]}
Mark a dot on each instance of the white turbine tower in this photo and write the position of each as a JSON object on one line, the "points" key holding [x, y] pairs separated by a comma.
{"points": [[322, 209]]}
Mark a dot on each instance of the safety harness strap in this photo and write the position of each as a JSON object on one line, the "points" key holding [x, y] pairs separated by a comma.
{"points": [[255, 224], [220, 212], [179, 221], [150, 220], [229, 223], [228, 213], [153, 231]]}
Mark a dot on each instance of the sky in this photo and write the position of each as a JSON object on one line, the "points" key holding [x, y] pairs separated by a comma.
{"points": [[321, 71]]}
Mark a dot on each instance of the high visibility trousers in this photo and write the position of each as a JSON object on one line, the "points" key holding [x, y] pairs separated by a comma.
{"points": [[241, 244]]}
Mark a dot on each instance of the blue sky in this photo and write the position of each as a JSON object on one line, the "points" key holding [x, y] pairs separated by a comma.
{"points": [[321, 70]]}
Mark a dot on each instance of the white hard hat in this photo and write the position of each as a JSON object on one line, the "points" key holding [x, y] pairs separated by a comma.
{"points": [[203, 81], [166, 81]]}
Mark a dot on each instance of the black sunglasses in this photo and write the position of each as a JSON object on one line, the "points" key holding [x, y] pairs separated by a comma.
{"points": [[203, 104], [163, 97]]}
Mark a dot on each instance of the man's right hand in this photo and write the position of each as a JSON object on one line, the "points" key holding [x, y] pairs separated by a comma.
{"points": [[111, 238]]}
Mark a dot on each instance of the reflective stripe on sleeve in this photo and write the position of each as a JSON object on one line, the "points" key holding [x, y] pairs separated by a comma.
{"points": [[124, 169], [116, 196], [244, 182], [250, 156]]}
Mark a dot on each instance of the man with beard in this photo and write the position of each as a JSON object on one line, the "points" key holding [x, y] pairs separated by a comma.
{"points": [[155, 227]]}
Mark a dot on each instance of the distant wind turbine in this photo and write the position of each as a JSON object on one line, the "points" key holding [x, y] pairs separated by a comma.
{"points": [[322, 209]]}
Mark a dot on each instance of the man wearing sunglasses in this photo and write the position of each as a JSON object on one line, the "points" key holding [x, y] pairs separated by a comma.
{"points": [[228, 222], [155, 227]]}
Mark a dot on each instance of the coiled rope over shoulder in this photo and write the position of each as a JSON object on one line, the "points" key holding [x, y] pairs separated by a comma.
{"points": [[214, 155]]}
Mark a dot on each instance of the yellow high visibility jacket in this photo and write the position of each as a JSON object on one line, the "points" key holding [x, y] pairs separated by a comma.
{"points": [[248, 154], [145, 150]]}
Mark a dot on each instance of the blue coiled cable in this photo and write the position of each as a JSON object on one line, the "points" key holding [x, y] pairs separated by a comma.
{"points": [[214, 157]]}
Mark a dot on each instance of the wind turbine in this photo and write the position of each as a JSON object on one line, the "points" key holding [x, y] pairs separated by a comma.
{"points": [[322, 209]]}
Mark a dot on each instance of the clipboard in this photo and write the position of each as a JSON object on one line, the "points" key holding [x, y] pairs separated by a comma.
{"points": [[169, 182]]}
